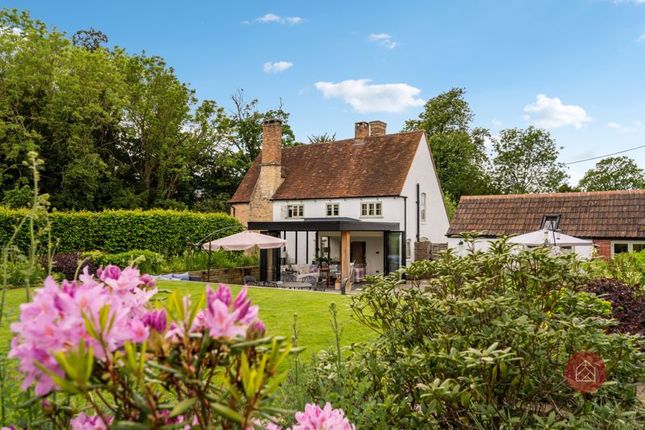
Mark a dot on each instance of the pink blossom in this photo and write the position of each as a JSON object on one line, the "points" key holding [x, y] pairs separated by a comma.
{"points": [[89, 422], [327, 418], [256, 330], [156, 320], [57, 320], [109, 272], [225, 321]]}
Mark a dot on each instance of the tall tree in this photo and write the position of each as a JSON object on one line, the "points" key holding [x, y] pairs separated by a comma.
{"points": [[525, 161], [115, 130], [458, 150], [613, 173]]}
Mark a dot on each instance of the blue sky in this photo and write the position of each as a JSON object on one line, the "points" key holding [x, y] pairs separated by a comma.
{"points": [[576, 67]]}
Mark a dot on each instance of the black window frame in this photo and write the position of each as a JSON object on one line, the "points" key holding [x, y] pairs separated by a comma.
{"points": [[551, 218]]}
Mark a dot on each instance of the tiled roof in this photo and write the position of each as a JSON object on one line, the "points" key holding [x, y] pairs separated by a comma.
{"points": [[606, 214], [372, 167]]}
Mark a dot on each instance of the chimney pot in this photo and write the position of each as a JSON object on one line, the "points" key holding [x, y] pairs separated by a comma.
{"points": [[377, 128], [361, 130], [272, 142]]}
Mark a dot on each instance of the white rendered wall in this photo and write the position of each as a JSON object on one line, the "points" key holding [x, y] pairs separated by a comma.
{"points": [[422, 172], [483, 244], [348, 208]]}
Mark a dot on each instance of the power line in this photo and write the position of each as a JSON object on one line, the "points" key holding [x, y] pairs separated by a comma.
{"points": [[606, 155]]}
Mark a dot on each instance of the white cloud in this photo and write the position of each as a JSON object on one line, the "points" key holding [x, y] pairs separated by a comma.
{"points": [[365, 97], [552, 113], [635, 126], [277, 67], [496, 122], [383, 39], [272, 18], [641, 38]]}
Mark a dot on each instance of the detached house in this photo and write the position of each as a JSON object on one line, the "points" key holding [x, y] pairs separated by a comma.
{"points": [[613, 220], [365, 200]]}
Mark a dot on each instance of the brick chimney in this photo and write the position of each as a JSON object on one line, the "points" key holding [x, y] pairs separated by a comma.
{"points": [[377, 128], [361, 130], [270, 177], [271, 142]]}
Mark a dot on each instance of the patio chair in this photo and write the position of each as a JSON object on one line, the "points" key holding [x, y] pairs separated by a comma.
{"points": [[311, 280], [249, 280], [288, 277]]}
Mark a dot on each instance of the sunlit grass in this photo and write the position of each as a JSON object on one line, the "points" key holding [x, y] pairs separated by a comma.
{"points": [[277, 309]]}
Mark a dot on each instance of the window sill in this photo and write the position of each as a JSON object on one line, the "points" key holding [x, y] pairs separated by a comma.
{"points": [[371, 216]]}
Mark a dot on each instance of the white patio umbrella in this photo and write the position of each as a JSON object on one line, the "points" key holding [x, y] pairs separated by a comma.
{"points": [[243, 241], [538, 237]]}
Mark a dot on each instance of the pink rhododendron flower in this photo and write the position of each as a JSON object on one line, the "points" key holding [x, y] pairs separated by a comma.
{"points": [[223, 317], [88, 422], [316, 418], [156, 320], [56, 321]]}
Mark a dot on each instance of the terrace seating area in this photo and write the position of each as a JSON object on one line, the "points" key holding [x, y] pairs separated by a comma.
{"points": [[305, 277]]}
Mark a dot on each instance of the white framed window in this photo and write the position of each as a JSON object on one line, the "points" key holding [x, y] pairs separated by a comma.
{"points": [[295, 211], [620, 246], [422, 207], [333, 209], [371, 209]]}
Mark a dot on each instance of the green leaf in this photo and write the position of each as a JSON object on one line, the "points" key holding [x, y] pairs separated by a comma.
{"points": [[227, 412], [129, 425], [182, 407]]}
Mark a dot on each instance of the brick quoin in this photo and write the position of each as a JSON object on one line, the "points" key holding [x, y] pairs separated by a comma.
{"points": [[603, 247]]}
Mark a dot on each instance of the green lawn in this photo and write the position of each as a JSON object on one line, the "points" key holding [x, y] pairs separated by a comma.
{"points": [[277, 308]]}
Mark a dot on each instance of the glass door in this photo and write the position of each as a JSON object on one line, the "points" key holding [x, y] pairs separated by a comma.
{"points": [[394, 244]]}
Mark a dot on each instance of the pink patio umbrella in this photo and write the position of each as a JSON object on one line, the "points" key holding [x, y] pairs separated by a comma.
{"points": [[243, 241]]}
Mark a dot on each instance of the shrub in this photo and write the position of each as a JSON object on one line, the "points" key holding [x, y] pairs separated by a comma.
{"points": [[113, 231], [146, 261], [628, 303], [628, 267], [482, 344], [68, 264], [198, 260]]}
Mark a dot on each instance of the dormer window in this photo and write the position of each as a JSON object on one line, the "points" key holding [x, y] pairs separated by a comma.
{"points": [[550, 222]]}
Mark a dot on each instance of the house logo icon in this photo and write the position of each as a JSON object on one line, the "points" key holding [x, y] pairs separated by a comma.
{"points": [[585, 372]]}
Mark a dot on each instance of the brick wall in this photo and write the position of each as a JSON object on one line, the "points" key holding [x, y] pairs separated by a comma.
{"points": [[241, 212], [426, 250], [603, 248]]}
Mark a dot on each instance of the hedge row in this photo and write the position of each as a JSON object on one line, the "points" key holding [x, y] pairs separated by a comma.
{"points": [[165, 231]]}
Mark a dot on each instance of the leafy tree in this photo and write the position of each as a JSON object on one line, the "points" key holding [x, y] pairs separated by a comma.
{"points": [[89, 39], [613, 173], [322, 138], [116, 130], [459, 152], [525, 161]]}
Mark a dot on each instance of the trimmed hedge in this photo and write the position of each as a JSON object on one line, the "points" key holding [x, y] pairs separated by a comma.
{"points": [[168, 232]]}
